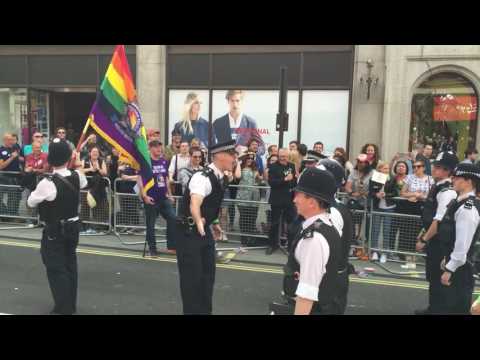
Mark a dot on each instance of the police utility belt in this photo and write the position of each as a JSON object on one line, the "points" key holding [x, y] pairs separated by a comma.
{"points": [[187, 223]]}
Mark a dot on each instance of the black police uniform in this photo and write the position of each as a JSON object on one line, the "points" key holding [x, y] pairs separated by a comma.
{"points": [[59, 242], [196, 254], [457, 297]]}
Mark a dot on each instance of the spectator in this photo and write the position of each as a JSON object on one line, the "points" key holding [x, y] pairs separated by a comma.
{"points": [[87, 145], [36, 162], [282, 179], [295, 158], [9, 161], [382, 202], [293, 145], [248, 210], [471, 155], [112, 166], [318, 147], [448, 144], [61, 133], [253, 147], [95, 169], [37, 136], [357, 187], [232, 178], [272, 159], [272, 150], [415, 190], [192, 125], [341, 156], [153, 134], [425, 155], [178, 162], [129, 209], [371, 150], [184, 175], [394, 187], [174, 148], [158, 200]]}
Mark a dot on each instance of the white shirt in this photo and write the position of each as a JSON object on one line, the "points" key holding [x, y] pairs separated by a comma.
{"points": [[234, 124], [200, 184], [312, 254], [466, 223], [182, 162], [47, 191], [444, 198]]}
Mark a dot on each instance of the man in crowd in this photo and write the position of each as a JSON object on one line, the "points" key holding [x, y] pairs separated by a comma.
{"points": [[61, 133], [318, 147], [471, 155], [282, 180], [36, 162], [10, 162], [36, 137], [177, 163], [185, 174], [424, 154], [158, 200], [174, 148], [293, 145]]}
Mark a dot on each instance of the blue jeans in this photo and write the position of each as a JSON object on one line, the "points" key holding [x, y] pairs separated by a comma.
{"points": [[387, 223], [163, 207]]}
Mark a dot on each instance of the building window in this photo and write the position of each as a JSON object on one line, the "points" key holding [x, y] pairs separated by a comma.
{"points": [[13, 112], [325, 118], [444, 113]]}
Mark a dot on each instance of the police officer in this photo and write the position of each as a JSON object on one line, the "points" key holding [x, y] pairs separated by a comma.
{"points": [[58, 197], [440, 195], [346, 233], [199, 210], [311, 273], [458, 233]]}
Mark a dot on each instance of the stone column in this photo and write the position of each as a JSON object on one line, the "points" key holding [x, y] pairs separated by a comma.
{"points": [[151, 85]]}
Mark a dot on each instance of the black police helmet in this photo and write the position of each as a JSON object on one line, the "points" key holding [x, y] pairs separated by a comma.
{"points": [[59, 152], [335, 168], [446, 159], [317, 183]]}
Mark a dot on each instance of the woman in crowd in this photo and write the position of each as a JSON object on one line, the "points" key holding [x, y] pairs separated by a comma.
{"points": [[371, 150], [382, 194], [228, 212], [295, 158], [394, 187], [95, 169], [247, 192], [357, 187], [415, 191], [272, 159], [192, 125]]}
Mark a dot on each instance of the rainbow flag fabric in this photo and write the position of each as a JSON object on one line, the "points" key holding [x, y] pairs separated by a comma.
{"points": [[115, 116]]}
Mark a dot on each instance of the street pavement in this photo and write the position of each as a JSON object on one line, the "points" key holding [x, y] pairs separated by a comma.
{"points": [[114, 282]]}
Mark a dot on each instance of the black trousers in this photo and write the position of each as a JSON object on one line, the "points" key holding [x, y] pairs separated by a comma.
{"points": [[196, 269], [433, 274], [58, 250], [280, 214], [458, 296]]}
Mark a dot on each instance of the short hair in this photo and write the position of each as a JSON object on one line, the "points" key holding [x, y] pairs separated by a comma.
{"points": [[271, 147], [185, 142], [303, 149], [381, 164], [470, 151], [252, 140], [318, 143], [14, 135], [194, 149], [294, 142], [154, 143], [231, 93], [176, 132], [60, 128]]}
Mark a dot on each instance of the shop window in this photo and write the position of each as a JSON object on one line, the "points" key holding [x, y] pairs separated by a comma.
{"points": [[13, 112], [325, 118], [444, 113]]}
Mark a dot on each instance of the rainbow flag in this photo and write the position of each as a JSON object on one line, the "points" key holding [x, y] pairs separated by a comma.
{"points": [[115, 116]]}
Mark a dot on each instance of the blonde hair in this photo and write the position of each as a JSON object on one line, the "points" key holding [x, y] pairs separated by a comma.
{"points": [[187, 109], [231, 93], [295, 158], [381, 164]]}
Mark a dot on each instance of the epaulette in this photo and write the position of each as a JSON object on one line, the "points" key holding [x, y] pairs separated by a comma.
{"points": [[207, 171], [447, 189], [469, 203], [315, 227]]}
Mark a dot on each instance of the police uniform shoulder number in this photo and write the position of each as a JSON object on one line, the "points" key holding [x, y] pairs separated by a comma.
{"points": [[308, 234], [315, 227], [469, 204]]}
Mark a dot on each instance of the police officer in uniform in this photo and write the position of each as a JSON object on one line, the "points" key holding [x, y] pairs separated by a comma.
{"points": [[440, 195], [346, 233], [458, 233], [311, 273], [199, 211], [58, 197]]}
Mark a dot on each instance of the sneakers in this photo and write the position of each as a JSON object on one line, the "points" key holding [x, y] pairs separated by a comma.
{"points": [[374, 256], [383, 258], [409, 265]]}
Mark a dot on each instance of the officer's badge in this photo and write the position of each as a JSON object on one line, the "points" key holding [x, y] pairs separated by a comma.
{"points": [[469, 204]]}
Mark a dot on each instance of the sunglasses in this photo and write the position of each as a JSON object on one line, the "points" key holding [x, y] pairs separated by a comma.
{"points": [[37, 136], [417, 166]]}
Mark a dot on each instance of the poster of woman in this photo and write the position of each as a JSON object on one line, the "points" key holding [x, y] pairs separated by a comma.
{"points": [[192, 125]]}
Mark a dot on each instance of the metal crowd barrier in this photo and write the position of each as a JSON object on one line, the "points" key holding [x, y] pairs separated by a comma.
{"points": [[100, 215], [13, 202]]}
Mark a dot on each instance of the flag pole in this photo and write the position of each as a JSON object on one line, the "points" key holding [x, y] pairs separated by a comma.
{"points": [[74, 162], [84, 133]]}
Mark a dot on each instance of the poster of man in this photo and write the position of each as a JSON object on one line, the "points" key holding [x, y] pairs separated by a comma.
{"points": [[235, 125]]}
